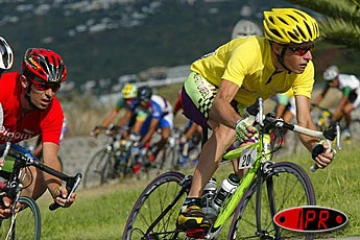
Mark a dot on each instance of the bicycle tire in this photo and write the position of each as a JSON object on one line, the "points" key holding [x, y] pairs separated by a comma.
{"points": [[156, 200], [27, 223], [254, 213], [99, 168]]}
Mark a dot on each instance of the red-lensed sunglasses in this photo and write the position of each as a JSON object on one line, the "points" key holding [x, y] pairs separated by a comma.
{"points": [[302, 50], [41, 86]]}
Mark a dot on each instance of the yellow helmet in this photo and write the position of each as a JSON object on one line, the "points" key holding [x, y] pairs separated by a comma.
{"points": [[289, 25], [129, 91]]}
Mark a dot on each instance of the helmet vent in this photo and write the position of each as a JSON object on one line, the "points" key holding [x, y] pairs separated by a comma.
{"points": [[303, 35], [301, 14], [292, 17], [276, 32], [293, 36], [283, 21], [272, 20], [309, 29]]}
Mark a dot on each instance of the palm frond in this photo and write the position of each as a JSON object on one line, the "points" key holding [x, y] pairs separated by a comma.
{"points": [[340, 32], [340, 20], [347, 10]]}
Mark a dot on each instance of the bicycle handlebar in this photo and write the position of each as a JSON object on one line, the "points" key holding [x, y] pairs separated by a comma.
{"points": [[27, 159], [269, 121], [72, 184]]}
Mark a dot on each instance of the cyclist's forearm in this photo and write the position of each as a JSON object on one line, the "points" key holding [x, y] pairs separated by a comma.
{"points": [[280, 110], [109, 118], [338, 112], [38, 150], [223, 112], [308, 141]]}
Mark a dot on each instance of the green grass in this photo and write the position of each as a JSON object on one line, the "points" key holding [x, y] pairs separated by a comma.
{"points": [[101, 213]]}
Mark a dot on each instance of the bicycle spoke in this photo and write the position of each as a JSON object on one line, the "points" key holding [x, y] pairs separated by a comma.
{"points": [[286, 186], [152, 205]]}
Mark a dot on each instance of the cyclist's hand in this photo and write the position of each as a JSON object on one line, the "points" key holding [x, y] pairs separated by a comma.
{"points": [[2, 162], [244, 129], [95, 132], [323, 153], [5, 209], [61, 197]]}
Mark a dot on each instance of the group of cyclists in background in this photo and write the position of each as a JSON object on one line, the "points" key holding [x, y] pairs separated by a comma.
{"points": [[220, 85]]}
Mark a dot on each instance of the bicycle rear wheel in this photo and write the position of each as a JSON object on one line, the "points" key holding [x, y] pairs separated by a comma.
{"points": [[100, 168], [24, 225], [155, 212], [286, 185]]}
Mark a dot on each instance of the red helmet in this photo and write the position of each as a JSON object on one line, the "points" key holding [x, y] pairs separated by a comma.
{"points": [[43, 66]]}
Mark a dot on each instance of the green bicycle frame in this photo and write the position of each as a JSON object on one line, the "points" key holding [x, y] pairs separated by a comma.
{"points": [[263, 153]]}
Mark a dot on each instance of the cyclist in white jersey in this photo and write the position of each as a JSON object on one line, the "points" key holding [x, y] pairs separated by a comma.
{"points": [[349, 85]]}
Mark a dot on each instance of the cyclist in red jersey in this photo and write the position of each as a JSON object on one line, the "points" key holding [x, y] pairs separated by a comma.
{"points": [[30, 108]]}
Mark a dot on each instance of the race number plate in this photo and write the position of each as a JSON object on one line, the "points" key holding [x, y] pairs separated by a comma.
{"points": [[247, 158]]}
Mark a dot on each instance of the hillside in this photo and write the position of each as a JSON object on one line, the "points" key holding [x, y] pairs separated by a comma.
{"points": [[107, 39]]}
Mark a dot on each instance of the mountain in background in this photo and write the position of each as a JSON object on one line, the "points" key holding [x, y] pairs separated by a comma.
{"points": [[102, 40]]}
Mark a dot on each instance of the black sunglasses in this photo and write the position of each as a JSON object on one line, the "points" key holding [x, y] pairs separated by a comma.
{"points": [[303, 49]]}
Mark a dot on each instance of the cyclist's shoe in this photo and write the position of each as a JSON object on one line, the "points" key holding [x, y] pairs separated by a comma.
{"points": [[152, 157], [193, 221], [136, 168]]}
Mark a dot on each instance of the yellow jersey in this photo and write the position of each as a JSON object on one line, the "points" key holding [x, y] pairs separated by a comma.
{"points": [[247, 63]]}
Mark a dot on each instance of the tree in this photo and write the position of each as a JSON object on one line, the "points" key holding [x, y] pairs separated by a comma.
{"points": [[340, 20]]}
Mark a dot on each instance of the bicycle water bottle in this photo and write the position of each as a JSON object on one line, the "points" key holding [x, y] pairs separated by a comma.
{"points": [[207, 198], [228, 186]]}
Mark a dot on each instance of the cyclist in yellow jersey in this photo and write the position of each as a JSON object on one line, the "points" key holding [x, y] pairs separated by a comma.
{"points": [[226, 81]]}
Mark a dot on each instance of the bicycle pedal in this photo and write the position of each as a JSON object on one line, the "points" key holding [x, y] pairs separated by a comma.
{"points": [[197, 233]]}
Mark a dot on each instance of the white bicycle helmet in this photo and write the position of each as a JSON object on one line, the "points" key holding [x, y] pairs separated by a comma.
{"points": [[245, 28], [331, 73], [7, 56]]}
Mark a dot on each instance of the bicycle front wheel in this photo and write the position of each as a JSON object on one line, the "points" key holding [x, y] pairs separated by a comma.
{"points": [[23, 225], [285, 185], [155, 212], [100, 168]]}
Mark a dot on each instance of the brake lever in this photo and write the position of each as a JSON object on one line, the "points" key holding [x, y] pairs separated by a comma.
{"points": [[338, 144], [78, 177], [332, 133], [74, 186]]}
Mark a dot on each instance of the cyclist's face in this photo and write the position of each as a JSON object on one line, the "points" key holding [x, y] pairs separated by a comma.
{"points": [[41, 98], [129, 101], [297, 56], [145, 103], [334, 82]]}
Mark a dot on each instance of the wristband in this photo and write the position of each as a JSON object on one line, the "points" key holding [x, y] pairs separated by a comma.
{"points": [[237, 122]]}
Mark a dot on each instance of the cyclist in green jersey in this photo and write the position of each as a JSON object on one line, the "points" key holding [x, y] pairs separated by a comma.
{"points": [[223, 83], [129, 94], [349, 85]]}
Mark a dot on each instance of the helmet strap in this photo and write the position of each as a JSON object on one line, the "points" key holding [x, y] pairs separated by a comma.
{"points": [[281, 58], [28, 98]]}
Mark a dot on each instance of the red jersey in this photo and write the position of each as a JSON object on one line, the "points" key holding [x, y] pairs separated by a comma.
{"points": [[178, 104], [19, 126]]}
